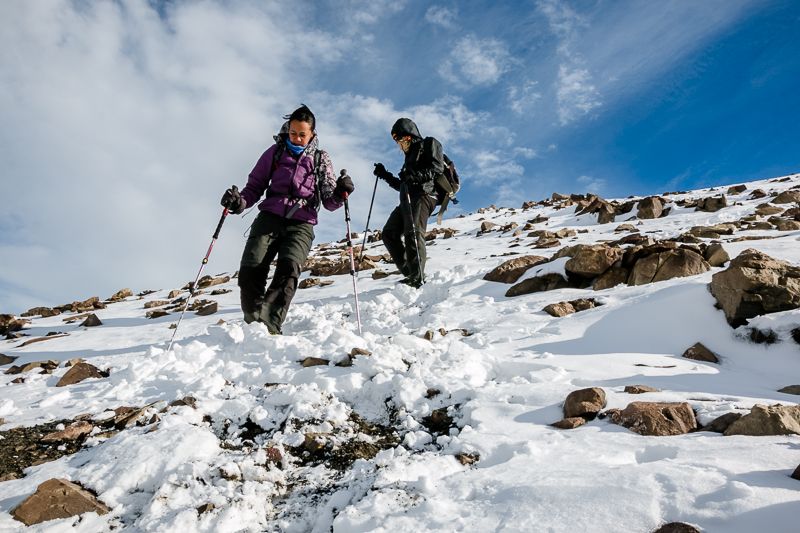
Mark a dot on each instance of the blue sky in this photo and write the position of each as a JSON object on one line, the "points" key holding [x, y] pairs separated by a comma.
{"points": [[121, 123]]}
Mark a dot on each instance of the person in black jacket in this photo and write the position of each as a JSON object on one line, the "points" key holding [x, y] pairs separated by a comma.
{"points": [[404, 231]]}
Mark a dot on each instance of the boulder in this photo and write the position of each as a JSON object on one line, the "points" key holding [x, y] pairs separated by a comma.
{"points": [[626, 227], [589, 261], [314, 361], [569, 423], [656, 418], [156, 313], [651, 207], [662, 266], [120, 295], [74, 431], [792, 196], [155, 303], [174, 293], [677, 527], [210, 281], [785, 224], [763, 420], [547, 282], [698, 352], [791, 389], [80, 372], [511, 270], [766, 210], [605, 211], [208, 309], [91, 321], [9, 323], [584, 403], [47, 367], [715, 255], [640, 389], [721, 423], [737, 189], [796, 473], [7, 359], [755, 284], [616, 275], [711, 204], [487, 226], [44, 312], [757, 194], [57, 498], [561, 309]]}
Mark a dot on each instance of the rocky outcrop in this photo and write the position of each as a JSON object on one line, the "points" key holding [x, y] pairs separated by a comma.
{"points": [[737, 189], [90, 304], [768, 420], [666, 265], [589, 261], [585, 403], [656, 419], [120, 295], [606, 212], [651, 207], [755, 284], [510, 271], [57, 498], [699, 352]]}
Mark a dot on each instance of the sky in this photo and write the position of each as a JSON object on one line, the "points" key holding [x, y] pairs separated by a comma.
{"points": [[122, 123]]}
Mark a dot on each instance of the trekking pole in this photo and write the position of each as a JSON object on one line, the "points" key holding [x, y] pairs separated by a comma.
{"points": [[369, 215], [414, 233], [350, 251], [202, 266]]}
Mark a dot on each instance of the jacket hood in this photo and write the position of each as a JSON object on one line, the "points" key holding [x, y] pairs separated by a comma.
{"points": [[405, 126]]}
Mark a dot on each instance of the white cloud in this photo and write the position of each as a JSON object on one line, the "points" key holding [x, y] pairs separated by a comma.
{"points": [[576, 94], [441, 16], [475, 61], [495, 166], [592, 185], [527, 153], [522, 98]]}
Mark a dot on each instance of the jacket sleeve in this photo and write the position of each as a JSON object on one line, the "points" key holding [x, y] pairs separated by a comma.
{"points": [[259, 178], [429, 165], [328, 184], [393, 181]]}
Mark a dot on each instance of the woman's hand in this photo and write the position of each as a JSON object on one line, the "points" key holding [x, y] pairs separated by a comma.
{"points": [[344, 186], [233, 201]]}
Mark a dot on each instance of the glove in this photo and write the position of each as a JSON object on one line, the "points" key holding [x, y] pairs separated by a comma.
{"points": [[380, 171], [233, 200], [344, 186], [405, 176]]}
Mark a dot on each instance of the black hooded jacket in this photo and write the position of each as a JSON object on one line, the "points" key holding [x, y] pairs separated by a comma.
{"points": [[424, 160]]}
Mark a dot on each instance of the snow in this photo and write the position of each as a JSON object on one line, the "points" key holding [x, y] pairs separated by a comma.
{"points": [[503, 383]]}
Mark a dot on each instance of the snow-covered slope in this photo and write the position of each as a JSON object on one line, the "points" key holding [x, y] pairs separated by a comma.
{"points": [[277, 446]]}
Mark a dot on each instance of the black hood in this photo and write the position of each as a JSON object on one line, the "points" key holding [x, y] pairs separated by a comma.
{"points": [[405, 126]]}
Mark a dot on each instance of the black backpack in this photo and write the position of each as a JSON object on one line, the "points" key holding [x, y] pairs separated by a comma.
{"points": [[446, 184]]}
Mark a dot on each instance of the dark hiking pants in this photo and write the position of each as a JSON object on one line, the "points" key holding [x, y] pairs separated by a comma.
{"points": [[398, 235], [272, 236]]}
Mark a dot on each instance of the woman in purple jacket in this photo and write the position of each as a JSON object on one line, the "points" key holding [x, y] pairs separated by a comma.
{"points": [[297, 177]]}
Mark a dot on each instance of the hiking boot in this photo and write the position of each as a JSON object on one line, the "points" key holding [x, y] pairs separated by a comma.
{"points": [[412, 281]]}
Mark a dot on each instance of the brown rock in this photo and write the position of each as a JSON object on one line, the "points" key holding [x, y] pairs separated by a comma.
{"points": [[208, 309], [74, 431], [792, 196], [57, 498], [569, 423], [677, 527], [721, 423], [791, 389], [91, 321], [80, 372], [785, 224], [155, 303], [766, 210], [616, 275], [715, 255], [561, 309], [656, 419], [651, 207], [174, 294], [565, 233], [757, 194], [487, 226], [538, 284], [640, 389], [763, 420], [585, 403], [46, 366], [9, 323], [511, 270], [698, 352], [712, 204], [209, 281], [796, 473], [6, 359], [467, 459], [591, 260], [626, 227], [156, 313], [44, 312], [50, 336], [667, 265], [120, 295], [737, 189], [314, 361], [755, 284]]}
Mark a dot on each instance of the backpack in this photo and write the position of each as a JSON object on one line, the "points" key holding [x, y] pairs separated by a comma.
{"points": [[446, 185], [319, 174]]}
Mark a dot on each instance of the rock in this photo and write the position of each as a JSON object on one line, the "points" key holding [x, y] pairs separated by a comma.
{"points": [[721, 423], [220, 292], [50, 336], [569, 423], [467, 459], [715, 255], [511, 270], [766, 210], [604, 209], [755, 284], [508, 227], [308, 283], [74, 431], [626, 227], [561, 309], [380, 274], [156, 313], [546, 242], [796, 473], [538, 284], [736, 189], [314, 361], [651, 207], [667, 265], [120, 295], [791, 389], [57, 498], [46, 366], [698, 352], [792, 196], [205, 508], [640, 389], [174, 294], [711, 204], [677, 527], [585, 403], [44, 312], [90, 304], [757, 194], [656, 419], [487, 226], [208, 309], [565, 233], [6, 359], [186, 401], [155, 303], [209, 281], [590, 261], [439, 421], [763, 420], [91, 321], [9, 323], [80, 372], [557, 197], [785, 224], [616, 275]]}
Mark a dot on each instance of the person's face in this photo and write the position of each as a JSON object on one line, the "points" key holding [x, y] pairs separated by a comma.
{"points": [[300, 133], [404, 143]]}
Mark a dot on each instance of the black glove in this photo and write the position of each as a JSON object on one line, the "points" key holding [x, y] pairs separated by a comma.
{"points": [[381, 172], [405, 176], [233, 200], [344, 186]]}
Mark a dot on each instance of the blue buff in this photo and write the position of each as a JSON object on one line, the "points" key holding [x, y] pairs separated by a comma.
{"points": [[296, 150]]}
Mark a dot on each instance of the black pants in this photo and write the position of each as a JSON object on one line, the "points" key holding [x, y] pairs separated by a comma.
{"points": [[404, 222], [272, 236]]}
